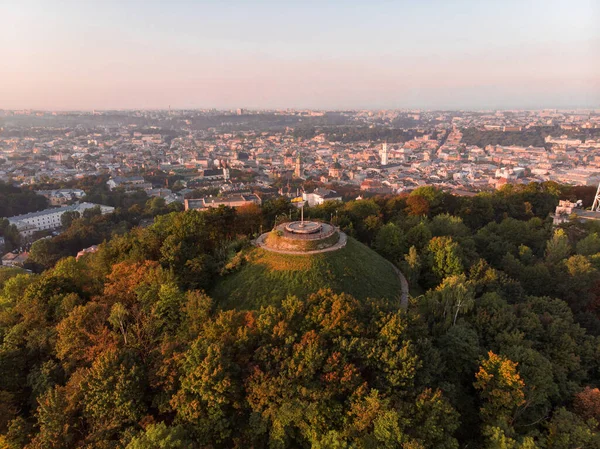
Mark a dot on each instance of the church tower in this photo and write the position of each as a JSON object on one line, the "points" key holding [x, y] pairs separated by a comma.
{"points": [[298, 170], [226, 173], [384, 154]]}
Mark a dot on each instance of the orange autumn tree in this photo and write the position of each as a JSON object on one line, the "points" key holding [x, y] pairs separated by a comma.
{"points": [[123, 282], [587, 403], [501, 390]]}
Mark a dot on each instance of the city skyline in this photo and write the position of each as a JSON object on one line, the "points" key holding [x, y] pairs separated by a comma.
{"points": [[309, 55]]}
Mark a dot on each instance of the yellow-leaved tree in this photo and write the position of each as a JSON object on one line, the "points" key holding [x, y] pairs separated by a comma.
{"points": [[501, 390]]}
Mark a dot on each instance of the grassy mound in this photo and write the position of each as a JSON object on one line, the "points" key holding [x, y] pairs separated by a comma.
{"points": [[268, 278]]}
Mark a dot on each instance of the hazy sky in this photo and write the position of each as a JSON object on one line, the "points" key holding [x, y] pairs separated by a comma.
{"points": [[105, 54]]}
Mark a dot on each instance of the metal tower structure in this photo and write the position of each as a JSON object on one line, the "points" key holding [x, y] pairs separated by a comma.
{"points": [[596, 204]]}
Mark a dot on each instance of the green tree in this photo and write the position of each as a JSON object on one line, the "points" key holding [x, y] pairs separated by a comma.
{"points": [[558, 248], [411, 266], [92, 212], [306, 376], [497, 439], [44, 252], [156, 206], [589, 245], [434, 421], [12, 237], [56, 418], [68, 217], [566, 430], [453, 297], [418, 236], [389, 242], [444, 257], [448, 225], [161, 436], [17, 201], [113, 393]]}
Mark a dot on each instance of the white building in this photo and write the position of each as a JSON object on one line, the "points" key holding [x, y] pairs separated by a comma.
{"points": [[131, 183], [50, 219], [236, 200], [320, 195], [567, 211], [578, 176]]}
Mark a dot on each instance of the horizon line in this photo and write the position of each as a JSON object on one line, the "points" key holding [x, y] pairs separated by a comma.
{"points": [[291, 108]]}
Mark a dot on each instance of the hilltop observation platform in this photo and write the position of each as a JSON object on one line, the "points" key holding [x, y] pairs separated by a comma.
{"points": [[302, 237], [304, 227]]}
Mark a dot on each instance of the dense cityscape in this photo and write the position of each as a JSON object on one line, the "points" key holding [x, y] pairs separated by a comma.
{"points": [[299, 225], [378, 151], [202, 159]]}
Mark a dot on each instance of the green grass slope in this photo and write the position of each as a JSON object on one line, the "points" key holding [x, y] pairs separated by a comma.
{"points": [[268, 278]]}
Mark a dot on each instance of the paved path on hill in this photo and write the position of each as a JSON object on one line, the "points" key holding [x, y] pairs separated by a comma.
{"points": [[260, 242], [403, 287]]}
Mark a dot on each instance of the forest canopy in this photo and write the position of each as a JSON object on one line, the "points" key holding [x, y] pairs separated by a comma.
{"points": [[498, 348]]}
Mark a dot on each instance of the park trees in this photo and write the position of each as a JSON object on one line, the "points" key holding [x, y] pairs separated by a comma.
{"points": [[444, 258], [300, 353], [125, 348]]}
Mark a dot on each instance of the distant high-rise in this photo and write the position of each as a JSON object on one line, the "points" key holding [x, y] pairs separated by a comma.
{"points": [[384, 154]]}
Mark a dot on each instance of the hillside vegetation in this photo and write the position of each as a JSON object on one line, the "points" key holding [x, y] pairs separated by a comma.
{"points": [[267, 278], [158, 341]]}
